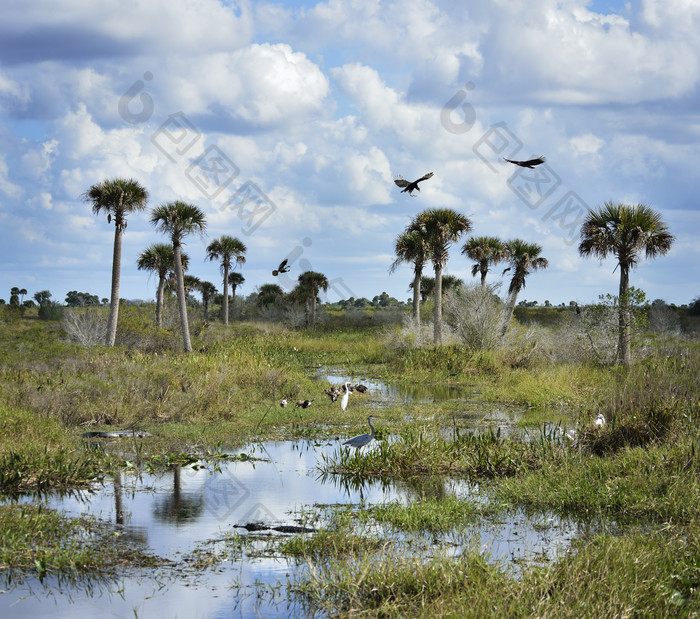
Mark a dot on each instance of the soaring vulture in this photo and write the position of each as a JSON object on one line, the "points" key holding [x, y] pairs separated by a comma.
{"points": [[530, 163], [402, 182], [282, 268]]}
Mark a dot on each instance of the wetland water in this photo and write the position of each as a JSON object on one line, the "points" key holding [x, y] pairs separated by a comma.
{"points": [[191, 518]]}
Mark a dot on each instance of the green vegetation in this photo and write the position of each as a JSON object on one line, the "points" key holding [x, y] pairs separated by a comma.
{"points": [[639, 471], [42, 541]]}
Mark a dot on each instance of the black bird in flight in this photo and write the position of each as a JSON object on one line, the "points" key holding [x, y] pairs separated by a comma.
{"points": [[530, 163], [410, 187], [282, 268]]}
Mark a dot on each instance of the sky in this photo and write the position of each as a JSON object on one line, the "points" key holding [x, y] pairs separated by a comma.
{"points": [[286, 123]]}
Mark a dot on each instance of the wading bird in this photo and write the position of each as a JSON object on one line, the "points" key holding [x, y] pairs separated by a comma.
{"points": [[282, 268], [333, 395], [600, 420], [283, 403], [530, 163], [362, 439], [410, 187], [361, 388], [346, 397], [303, 403]]}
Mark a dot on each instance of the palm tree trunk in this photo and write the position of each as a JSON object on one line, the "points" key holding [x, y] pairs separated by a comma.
{"points": [[313, 309], [182, 301], [159, 300], [624, 355], [416, 298], [509, 312], [224, 308], [114, 297], [437, 335], [233, 297], [483, 277]]}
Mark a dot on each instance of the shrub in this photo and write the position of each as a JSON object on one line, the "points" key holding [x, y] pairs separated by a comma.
{"points": [[87, 326], [474, 315]]}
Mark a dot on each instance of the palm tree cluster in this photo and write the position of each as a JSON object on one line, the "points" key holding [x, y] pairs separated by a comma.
{"points": [[428, 238], [622, 230], [118, 198]]}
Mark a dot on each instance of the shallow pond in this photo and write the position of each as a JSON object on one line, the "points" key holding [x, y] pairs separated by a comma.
{"points": [[190, 515]]}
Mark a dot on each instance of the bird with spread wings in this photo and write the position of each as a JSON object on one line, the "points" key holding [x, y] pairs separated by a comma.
{"points": [[410, 187], [282, 268], [530, 163]]}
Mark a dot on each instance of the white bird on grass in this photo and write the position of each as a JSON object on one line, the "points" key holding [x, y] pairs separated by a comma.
{"points": [[346, 397], [599, 420], [362, 439]]}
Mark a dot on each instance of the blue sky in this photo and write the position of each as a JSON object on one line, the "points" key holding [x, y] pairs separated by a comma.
{"points": [[286, 123]]}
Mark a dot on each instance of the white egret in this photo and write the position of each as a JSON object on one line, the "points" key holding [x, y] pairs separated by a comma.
{"points": [[346, 396], [362, 439]]}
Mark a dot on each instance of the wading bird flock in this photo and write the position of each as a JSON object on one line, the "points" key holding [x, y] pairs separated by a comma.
{"points": [[334, 393]]}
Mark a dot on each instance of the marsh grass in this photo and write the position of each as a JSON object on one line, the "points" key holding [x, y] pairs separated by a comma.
{"points": [[339, 537], [432, 515], [646, 573], [419, 451], [398, 585], [655, 483], [641, 467], [40, 541]]}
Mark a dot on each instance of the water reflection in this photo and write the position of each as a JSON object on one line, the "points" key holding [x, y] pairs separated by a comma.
{"points": [[178, 514], [383, 394]]}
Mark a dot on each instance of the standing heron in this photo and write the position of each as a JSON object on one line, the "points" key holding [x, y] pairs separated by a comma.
{"points": [[346, 397], [362, 439]]}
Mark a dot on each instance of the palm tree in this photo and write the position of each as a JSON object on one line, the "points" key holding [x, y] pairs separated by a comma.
{"points": [[523, 258], [160, 258], [310, 283], [226, 249], [178, 219], [192, 283], [208, 290], [441, 227], [235, 280], [117, 197], [410, 246], [486, 250], [427, 287], [624, 230], [268, 294], [451, 282]]}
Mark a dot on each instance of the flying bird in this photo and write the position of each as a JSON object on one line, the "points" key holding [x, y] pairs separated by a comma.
{"points": [[530, 163], [282, 268], [410, 187]]}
